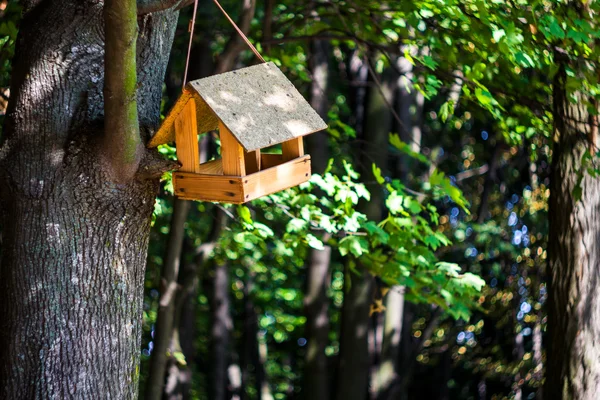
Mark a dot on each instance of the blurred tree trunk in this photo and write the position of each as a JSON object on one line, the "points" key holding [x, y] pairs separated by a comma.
{"points": [[251, 350], [518, 345], [265, 389], [221, 327], [411, 347], [178, 379], [387, 375], [573, 364], [375, 140], [163, 329], [354, 360], [317, 144], [216, 287], [409, 104], [268, 24], [316, 373], [73, 266]]}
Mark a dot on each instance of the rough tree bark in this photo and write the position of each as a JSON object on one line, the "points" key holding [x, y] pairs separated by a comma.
{"points": [[71, 283], [573, 366]]}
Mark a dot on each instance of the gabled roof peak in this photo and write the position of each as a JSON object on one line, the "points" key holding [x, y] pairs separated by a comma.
{"points": [[258, 104]]}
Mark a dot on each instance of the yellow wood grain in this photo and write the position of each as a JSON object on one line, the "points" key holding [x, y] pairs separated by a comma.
{"points": [[277, 178], [214, 167], [186, 137], [270, 160], [292, 149], [232, 153], [225, 189], [252, 160], [166, 132]]}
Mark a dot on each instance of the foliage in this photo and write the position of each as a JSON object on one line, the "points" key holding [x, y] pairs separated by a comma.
{"points": [[10, 14]]}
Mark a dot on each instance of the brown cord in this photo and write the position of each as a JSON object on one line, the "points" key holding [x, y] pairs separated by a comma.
{"points": [[239, 31], [256, 53], [191, 30]]}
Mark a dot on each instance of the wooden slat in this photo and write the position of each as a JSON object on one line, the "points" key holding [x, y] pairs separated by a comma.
{"points": [[214, 167], [208, 188], [166, 132], [275, 179], [292, 149], [252, 159], [270, 160], [232, 153], [186, 138]]}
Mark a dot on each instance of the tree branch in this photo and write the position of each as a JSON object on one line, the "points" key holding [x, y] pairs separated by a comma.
{"points": [[122, 148], [151, 6]]}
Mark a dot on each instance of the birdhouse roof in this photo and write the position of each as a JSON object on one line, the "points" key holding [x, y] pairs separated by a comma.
{"points": [[258, 104]]}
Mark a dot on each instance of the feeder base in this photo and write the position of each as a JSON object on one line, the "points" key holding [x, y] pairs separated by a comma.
{"points": [[240, 189]]}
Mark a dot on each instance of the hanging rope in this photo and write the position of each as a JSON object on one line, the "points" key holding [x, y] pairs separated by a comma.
{"points": [[239, 31], [191, 30], [256, 53]]}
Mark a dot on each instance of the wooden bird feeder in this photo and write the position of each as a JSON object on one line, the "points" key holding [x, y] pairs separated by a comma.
{"points": [[253, 108]]}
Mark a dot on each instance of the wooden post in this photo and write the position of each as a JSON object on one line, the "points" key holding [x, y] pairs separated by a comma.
{"points": [[232, 153], [186, 138], [292, 149], [252, 159]]}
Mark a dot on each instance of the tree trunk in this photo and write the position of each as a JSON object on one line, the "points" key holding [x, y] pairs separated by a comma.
{"points": [[252, 369], [388, 375], [573, 367], [409, 103], [178, 379], [353, 373], [316, 375], [354, 361], [317, 144], [265, 388], [73, 266], [163, 329], [222, 325], [217, 290]]}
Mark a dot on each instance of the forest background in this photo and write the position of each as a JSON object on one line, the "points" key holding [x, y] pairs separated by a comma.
{"points": [[413, 264]]}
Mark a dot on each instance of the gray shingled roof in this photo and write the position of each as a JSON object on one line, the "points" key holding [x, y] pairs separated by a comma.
{"points": [[259, 105]]}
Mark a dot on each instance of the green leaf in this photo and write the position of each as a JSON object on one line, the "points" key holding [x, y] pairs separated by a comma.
{"points": [[296, 225], [498, 34], [405, 148], [263, 230], [377, 174], [314, 242], [395, 202], [244, 214], [354, 245]]}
